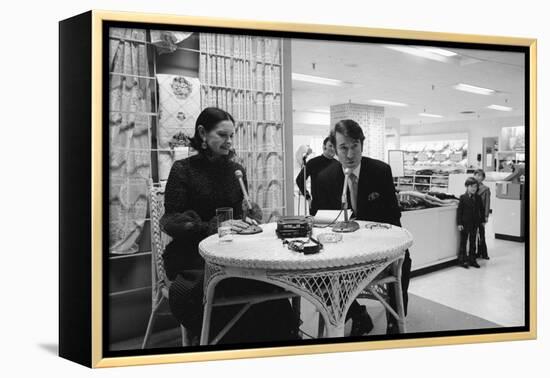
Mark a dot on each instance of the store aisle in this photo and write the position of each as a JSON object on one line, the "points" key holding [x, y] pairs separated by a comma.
{"points": [[495, 292]]}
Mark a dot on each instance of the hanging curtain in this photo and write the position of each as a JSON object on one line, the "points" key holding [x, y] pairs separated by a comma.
{"points": [[129, 129]]}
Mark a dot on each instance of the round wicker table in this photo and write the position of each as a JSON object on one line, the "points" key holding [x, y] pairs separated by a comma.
{"points": [[330, 279]]}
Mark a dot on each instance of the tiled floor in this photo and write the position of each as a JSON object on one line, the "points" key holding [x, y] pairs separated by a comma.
{"points": [[496, 292]]}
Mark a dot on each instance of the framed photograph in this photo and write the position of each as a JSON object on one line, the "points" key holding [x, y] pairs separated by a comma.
{"points": [[234, 189]]}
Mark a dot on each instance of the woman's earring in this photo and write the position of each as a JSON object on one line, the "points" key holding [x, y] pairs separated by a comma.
{"points": [[203, 145]]}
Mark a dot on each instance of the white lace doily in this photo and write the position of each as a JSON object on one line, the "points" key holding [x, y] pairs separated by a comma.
{"points": [[266, 251]]}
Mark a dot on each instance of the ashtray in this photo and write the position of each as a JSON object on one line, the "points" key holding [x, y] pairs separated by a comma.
{"points": [[329, 237]]}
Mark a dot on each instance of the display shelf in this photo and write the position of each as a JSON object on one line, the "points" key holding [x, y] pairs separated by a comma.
{"points": [[238, 89], [503, 157], [246, 59], [138, 254], [253, 95], [131, 75], [421, 182]]}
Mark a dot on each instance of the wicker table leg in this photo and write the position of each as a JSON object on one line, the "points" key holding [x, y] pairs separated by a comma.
{"points": [[399, 296]]}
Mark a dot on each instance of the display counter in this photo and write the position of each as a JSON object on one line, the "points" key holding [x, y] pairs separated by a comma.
{"points": [[509, 211], [436, 236]]}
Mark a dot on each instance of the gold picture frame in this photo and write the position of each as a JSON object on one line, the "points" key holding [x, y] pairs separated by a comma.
{"points": [[82, 248]]}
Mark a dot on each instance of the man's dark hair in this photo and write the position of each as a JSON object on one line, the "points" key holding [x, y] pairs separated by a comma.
{"points": [[470, 181], [480, 171], [349, 128], [327, 139]]}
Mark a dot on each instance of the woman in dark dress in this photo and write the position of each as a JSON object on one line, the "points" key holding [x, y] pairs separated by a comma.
{"points": [[196, 187]]}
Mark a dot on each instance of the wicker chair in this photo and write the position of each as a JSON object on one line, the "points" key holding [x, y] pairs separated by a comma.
{"points": [[159, 282]]}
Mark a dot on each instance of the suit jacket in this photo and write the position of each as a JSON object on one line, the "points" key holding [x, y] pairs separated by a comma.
{"points": [[485, 193], [313, 168], [376, 198], [470, 212]]}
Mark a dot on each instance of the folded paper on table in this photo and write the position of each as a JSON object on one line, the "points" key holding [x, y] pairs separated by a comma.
{"points": [[324, 217]]}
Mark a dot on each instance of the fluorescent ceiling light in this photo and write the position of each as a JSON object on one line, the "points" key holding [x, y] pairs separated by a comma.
{"points": [[430, 115], [474, 89], [501, 108], [418, 52], [319, 110], [443, 52], [389, 103], [316, 79]]}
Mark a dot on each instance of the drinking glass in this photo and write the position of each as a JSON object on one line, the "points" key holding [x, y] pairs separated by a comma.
{"points": [[224, 216]]}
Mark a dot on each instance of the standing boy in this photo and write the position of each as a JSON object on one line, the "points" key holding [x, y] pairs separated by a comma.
{"points": [[485, 193], [469, 217]]}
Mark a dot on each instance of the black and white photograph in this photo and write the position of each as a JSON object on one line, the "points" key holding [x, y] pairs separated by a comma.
{"points": [[277, 189]]}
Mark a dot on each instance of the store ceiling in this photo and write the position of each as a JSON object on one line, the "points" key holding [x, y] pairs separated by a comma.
{"points": [[376, 72]]}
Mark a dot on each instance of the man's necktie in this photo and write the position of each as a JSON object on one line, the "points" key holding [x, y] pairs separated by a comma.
{"points": [[353, 191]]}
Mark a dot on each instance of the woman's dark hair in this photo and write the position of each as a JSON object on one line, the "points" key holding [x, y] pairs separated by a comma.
{"points": [[209, 119], [327, 139], [470, 181], [349, 128], [480, 171]]}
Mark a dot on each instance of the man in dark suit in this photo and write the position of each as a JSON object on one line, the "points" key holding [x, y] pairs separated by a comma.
{"points": [[371, 196], [313, 167]]}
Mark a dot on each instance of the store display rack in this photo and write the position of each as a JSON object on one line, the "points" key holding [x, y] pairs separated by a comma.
{"points": [[422, 183], [502, 157], [243, 74]]}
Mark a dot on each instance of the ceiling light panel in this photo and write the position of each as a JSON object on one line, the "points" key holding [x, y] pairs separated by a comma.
{"points": [[386, 102], [316, 80], [500, 107], [430, 115], [474, 89]]}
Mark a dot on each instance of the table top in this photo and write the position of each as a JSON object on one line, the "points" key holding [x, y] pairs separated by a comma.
{"points": [[266, 251]]}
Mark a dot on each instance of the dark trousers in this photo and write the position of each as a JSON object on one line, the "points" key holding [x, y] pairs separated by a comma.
{"points": [[354, 309], [481, 244], [467, 235]]}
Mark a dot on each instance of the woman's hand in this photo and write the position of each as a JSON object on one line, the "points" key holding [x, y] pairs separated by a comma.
{"points": [[460, 227], [254, 212], [238, 225]]}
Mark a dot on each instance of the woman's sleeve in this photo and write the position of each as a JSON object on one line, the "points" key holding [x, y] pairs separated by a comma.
{"points": [[179, 220]]}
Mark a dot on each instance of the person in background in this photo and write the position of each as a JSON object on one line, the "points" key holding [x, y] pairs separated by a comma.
{"points": [[469, 216], [197, 186], [372, 198], [485, 193], [313, 167]]}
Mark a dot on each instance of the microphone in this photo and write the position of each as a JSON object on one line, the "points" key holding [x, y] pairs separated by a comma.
{"points": [[307, 153], [346, 225], [239, 176]]}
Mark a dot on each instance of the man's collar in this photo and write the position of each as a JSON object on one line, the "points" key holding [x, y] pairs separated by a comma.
{"points": [[355, 171]]}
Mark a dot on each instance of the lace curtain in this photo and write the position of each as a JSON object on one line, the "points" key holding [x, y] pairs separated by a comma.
{"points": [[129, 129]]}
